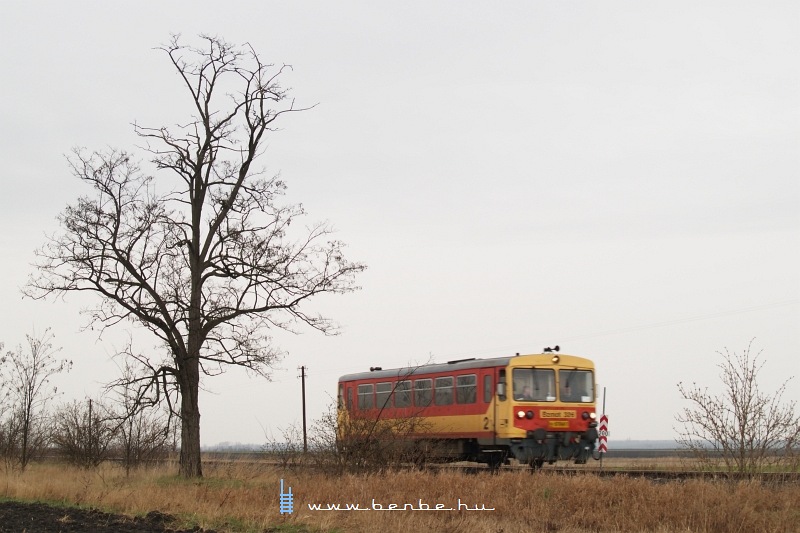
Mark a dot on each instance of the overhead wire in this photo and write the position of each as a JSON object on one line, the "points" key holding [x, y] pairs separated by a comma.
{"points": [[640, 327]]}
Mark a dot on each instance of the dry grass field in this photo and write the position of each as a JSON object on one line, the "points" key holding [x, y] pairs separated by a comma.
{"points": [[245, 497]]}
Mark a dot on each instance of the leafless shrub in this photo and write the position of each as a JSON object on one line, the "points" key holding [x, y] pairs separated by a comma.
{"points": [[145, 429], [741, 427], [10, 431], [342, 443], [84, 432], [287, 450], [143, 438]]}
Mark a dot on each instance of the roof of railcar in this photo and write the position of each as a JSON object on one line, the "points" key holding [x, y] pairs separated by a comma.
{"points": [[453, 366]]}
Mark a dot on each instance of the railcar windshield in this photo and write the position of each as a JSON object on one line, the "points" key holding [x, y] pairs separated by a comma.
{"points": [[576, 386], [534, 384]]}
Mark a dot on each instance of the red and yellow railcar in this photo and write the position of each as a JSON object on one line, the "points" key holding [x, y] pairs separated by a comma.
{"points": [[535, 408]]}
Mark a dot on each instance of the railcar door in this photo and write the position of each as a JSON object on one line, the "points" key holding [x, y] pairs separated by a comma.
{"points": [[489, 415], [492, 396], [500, 419]]}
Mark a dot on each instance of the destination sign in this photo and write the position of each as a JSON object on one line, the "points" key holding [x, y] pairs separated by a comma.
{"points": [[549, 413]]}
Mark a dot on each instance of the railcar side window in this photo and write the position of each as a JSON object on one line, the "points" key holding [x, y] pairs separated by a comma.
{"points": [[341, 396], [422, 392], [444, 391], [487, 389], [534, 385], [383, 393], [402, 394], [576, 386], [466, 388], [349, 398], [365, 396]]}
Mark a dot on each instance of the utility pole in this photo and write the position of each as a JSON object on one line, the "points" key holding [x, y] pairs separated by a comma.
{"points": [[91, 437], [303, 381]]}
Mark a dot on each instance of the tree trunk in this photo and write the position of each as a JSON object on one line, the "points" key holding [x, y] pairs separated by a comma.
{"points": [[26, 430], [190, 420]]}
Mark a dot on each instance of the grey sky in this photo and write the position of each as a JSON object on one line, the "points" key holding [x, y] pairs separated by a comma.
{"points": [[619, 178]]}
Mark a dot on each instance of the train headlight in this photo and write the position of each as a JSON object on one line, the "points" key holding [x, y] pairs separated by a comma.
{"points": [[555, 359], [529, 415], [592, 415], [585, 415], [520, 414]]}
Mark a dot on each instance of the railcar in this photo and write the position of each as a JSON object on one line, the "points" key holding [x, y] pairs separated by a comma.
{"points": [[536, 408]]}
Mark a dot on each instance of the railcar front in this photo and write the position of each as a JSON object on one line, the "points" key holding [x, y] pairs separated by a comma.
{"points": [[549, 413]]}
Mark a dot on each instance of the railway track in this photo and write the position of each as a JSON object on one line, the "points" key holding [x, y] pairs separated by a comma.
{"points": [[657, 475], [681, 475]]}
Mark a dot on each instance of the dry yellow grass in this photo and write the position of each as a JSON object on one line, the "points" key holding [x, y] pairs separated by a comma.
{"points": [[244, 497]]}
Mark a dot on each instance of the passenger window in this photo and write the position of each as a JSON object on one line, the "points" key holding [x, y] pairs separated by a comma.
{"points": [[365, 396], [422, 392], [466, 388], [402, 394], [383, 393], [444, 391]]}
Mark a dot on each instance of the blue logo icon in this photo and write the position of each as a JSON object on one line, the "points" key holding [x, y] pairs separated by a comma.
{"points": [[286, 501]]}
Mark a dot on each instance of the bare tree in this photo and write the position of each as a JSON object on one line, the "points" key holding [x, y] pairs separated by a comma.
{"points": [[201, 254], [741, 426], [26, 374]]}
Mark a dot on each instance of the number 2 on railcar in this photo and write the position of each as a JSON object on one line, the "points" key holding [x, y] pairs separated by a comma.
{"points": [[536, 408]]}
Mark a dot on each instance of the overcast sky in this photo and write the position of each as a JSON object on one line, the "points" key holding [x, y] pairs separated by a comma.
{"points": [[619, 178]]}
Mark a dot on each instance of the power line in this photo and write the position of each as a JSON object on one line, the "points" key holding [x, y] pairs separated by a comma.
{"points": [[640, 327], [603, 333], [687, 319]]}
